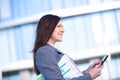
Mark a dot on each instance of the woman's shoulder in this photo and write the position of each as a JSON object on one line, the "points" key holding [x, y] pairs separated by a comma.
{"points": [[52, 51], [46, 48]]}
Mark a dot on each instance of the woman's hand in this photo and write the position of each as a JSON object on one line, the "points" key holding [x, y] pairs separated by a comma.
{"points": [[94, 69]]}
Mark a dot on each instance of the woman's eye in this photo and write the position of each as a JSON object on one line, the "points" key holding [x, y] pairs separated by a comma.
{"points": [[58, 26]]}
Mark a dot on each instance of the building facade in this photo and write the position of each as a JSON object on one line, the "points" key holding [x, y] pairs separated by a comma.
{"points": [[92, 29]]}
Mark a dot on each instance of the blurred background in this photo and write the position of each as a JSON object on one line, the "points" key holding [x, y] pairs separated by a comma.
{"points": [[92, 29]]}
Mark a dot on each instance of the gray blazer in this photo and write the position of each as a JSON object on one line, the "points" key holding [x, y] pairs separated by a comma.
{"points": [[47, 58]]}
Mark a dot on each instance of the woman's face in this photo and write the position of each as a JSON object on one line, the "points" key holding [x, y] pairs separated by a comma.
{"points": [[57, 34]]}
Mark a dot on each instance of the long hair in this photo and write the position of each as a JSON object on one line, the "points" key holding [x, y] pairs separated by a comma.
{"points": [[44, 30]]}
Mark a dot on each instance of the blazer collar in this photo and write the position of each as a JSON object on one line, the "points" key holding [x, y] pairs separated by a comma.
{"points": [[59, 52]]}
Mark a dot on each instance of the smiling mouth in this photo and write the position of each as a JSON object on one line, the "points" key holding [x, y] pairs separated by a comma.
{"points": [[61, 34]]}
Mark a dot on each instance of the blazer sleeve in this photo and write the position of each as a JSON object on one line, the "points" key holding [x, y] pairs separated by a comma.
{"points": [[47, 64]]}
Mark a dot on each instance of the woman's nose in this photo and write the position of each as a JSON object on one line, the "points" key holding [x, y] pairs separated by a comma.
{"points": [[63, 30]]}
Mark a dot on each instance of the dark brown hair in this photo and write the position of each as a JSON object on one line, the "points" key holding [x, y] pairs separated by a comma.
{"points": [[45, 27]]}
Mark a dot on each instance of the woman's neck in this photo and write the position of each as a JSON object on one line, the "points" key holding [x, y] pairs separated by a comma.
{"points": [[51, 42]]}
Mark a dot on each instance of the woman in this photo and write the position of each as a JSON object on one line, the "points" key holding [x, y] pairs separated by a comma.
{"points": [[46, 56]]}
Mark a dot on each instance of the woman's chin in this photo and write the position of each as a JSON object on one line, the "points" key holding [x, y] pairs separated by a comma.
{"points": [[59, 41]]}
